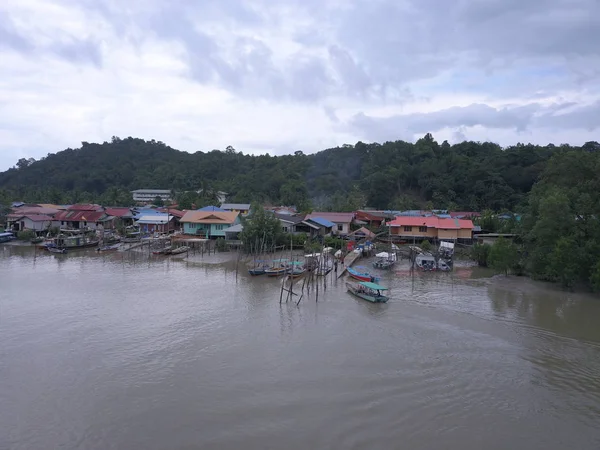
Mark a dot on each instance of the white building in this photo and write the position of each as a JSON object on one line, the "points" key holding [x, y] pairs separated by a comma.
{"points": [[148, 195]]}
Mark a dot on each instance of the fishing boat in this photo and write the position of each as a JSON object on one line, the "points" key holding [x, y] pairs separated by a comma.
{"points": [[6, 237], [362, 274], [180, 250], [58, 250], [385, 260], [368, 291], [279, 267], [108, 248], [259, 268], [296, 269], [74, 239], [163, 251]]}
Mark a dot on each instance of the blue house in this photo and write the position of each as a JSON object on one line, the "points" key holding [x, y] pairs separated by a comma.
{"points": [[209, 224]]}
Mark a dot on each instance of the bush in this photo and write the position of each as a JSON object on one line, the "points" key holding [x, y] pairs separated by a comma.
{"points": [[426, 245], [480, 253], [221, 245], [26, 235]]}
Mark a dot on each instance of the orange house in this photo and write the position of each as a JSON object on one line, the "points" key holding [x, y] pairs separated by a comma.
{"points": [[431, 228]]}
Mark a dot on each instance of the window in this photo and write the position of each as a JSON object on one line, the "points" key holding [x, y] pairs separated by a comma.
{"points": [[340, 227], [285, 229], [192, 226], [422, 229], [408, 229]]}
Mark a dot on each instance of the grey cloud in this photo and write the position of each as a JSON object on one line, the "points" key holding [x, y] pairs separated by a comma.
{"points": [[68, 48], [517, 118]]}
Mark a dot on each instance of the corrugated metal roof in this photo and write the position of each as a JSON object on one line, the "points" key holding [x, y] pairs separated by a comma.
{"points": [[154, 219], [79, 216], [321, 221], [119, 212], [38, 217], [335, 217], [211, 208], [86, 207], [431, 222], [235, 229], [238, 206], [217, 217]]}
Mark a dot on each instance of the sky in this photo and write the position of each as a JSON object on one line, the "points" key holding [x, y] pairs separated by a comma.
{"points": [[274, 77]]}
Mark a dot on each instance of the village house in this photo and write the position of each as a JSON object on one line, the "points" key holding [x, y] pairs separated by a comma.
{"points": [[33, 222], [242, 208], [149, 195], [121, 213], [431, 228], [83, 216], [13, 219], [341, 221], [209, 224], [157, 223]]}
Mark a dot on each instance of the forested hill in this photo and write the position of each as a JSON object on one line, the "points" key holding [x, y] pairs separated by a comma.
{"points": [[469, 175]]}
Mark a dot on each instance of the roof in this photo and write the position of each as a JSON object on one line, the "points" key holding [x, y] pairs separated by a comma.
{"points": [[38, 217], [238, 206], [365, 231], [235, 229], [294, 219], [79, 216], [85, 207], [335, 217], [17, 204], [154, 219], [51, 206], [464, 214], [364, 215], [119, 212], [375, 286], [152, 191], [431, 222], [172, 212], [209, 217], [321, 221], [211, 208], [36, 210]]}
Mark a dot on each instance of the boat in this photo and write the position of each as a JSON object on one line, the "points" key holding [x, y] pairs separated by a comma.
{"points": [[368, 291], [58, 250], [361, 275], [6, 236], [108, 248], [73, 239], [296, 269], [385, 260], [258, 268], [279, 267], [37, 240], [163, 251], [427, 263], [179, 250]]}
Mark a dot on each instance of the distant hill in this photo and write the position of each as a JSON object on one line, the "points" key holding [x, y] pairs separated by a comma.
{"points": [[469, 175]]}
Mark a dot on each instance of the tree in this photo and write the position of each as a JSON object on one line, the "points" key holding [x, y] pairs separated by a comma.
{"points": [[158, 201], [503, 255], [261, 228]]}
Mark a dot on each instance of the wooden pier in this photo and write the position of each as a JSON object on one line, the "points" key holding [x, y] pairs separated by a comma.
{"points": [[349, 259]]}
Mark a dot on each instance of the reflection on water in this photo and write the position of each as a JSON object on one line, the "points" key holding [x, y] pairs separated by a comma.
{"points": [[127, 350]]}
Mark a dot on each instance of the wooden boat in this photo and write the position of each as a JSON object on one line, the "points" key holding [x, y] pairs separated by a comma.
{"points": [[163, 251], [61, 251], [279, 267], [361, 275], [368, 291], [258, 268], [296, 269], [179, 250], [108, 248]]}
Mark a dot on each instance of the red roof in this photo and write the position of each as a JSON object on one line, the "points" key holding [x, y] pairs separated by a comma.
{"points": [[119, 212], [362, 215], [431, 222], [79, 216], [85, 207]]}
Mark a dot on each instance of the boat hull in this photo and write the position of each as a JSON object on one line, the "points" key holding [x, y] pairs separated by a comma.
{"points": [[256, 272], [275, 272], [365, 296], [360, 276]]}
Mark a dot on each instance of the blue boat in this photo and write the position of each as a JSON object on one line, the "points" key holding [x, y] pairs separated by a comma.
{"points": [[5, 237], [362, 274], [259, 268]]}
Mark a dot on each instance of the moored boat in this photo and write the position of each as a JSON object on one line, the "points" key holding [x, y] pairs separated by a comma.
{"points": [[362, 274], [163, 251], [57, 250], [179, 250], [368, 291], [258, 268], [279, 267], [385, 260], [296, 269]]}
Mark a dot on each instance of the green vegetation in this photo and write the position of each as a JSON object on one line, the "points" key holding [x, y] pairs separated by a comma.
{"points": [[503, 256], [468, 176], [480, 254], [26, 235], [426, 245], [261, 229]]}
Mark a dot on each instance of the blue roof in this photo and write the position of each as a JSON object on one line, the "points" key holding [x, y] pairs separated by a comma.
{"points": [[211, 208], [324, 222]]}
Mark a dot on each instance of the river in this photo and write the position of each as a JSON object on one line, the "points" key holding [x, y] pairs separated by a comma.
{"points": [[126, 351]]}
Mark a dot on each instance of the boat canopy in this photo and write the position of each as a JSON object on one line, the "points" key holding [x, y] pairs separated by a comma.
{"points": [[383, 255], [373, 286], [280, 260], [297, 263]]}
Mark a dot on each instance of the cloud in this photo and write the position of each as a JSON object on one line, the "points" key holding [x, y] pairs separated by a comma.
{"points": [[298, 74]]}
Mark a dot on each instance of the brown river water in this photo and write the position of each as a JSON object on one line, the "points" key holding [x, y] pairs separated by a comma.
{"points": [[130, 351]]}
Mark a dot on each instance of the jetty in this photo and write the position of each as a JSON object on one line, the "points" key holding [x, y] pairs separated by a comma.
{"points": [[349, 259]]}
